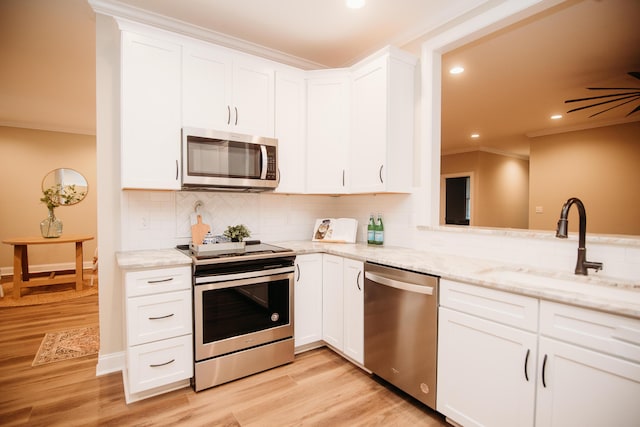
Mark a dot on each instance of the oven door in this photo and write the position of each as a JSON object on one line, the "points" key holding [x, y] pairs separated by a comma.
{"points": [[239, 314]]}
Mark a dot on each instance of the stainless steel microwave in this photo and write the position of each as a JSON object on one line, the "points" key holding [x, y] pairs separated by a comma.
{"points": [[228, 161]]}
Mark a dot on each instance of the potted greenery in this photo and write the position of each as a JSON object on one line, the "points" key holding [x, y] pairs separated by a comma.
{"points": [[237, 232]]}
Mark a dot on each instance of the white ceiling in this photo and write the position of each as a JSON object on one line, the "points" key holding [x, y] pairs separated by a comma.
{"points": [[47, 79]]}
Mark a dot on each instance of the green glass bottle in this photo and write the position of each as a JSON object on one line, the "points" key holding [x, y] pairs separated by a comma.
{"points": [[379, 231], [371, 227]]}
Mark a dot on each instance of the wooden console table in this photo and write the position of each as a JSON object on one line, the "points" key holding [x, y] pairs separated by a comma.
{"points": [[21, 276]]}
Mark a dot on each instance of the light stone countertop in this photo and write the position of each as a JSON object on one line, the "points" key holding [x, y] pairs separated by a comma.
{"points": [[151, 258], [595, 292]]}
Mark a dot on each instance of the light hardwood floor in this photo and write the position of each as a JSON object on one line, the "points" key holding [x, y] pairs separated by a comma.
{"points": [[318, 389]]}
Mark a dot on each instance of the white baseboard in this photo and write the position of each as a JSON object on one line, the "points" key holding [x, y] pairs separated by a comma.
{"points": [[86, 265], [109, 363]]}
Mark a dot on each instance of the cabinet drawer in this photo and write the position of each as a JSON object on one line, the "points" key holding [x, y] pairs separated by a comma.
{"points": [[608, 333], [148, 282], [156, 317], [160, 363], [509, 309]]}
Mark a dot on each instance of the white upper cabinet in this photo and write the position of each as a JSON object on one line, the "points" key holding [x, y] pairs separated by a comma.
{"points": [[227, 91], [327, 131], [290, 130], [150, 112], [381, 146]]}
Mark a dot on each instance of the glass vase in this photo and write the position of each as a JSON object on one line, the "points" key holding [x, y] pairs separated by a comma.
{"points": [[51, 227]]}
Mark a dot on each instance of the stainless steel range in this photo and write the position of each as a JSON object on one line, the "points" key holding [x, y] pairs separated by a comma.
{"points": [[243, 313]]}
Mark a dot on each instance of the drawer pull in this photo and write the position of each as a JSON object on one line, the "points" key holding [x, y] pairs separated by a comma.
{"points": [[151, 282], [162, 364], [161, 317]]}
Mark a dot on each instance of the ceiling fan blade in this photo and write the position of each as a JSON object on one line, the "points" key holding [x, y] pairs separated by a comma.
{"points": [[618, 105], [613, 88], [633, 111], [601, 96], [605, 102]]}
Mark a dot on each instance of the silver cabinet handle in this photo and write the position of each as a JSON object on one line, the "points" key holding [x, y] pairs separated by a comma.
{"points": [[358, 280], [228, 114], [177, 171], [343, 177], [298, 268], [380, 174], [526, 363], [162, 364], [411, 287], [151, 282], [236, 108], [161, 317]]}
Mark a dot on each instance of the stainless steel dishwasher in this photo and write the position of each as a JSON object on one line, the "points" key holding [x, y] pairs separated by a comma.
{"points": [[401, 329]]}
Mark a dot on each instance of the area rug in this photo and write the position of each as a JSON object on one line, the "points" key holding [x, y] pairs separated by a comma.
{"points": [[47, 294], [69, 344]]}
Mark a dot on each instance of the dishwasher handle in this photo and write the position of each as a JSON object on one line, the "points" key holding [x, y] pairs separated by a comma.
{"points": [[405, 286]]}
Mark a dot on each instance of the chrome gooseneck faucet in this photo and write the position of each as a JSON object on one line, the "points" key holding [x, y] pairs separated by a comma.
{"points": [[582, 265]]}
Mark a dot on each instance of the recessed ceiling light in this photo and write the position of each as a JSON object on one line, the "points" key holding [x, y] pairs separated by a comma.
{"points": [[556, 117], [355, 4], [456, 70], [475, 135]]}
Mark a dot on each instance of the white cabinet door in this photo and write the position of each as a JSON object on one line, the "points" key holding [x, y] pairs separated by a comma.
{"points": [[308, 299], [580, 387], [369, 127], [150, 113], [206, 85], [353, 275], [229, 92], [290, 131], [253, 97], [332, 301], [486, 371], [327, 132], [381, 145]]}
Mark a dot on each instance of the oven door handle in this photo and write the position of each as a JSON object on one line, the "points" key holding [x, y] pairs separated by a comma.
{"points": [[230, 280], [405, 286]]}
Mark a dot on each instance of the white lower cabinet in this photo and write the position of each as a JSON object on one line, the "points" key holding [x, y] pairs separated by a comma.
{"points": [[332, 301], [308, 299], [353, 287], [486, 365], [589, 368], [498, 367], [158, 323], [343, 305]]}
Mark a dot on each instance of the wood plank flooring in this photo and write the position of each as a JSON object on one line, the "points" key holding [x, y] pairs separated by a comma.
{"points": [[318, 389]]}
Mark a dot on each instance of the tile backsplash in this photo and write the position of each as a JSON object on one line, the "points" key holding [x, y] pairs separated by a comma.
{"points": [[161, 219]]}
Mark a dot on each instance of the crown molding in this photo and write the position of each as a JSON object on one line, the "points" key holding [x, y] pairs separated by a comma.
{"points": [[582, 126], [119, 10], [91, 131]]}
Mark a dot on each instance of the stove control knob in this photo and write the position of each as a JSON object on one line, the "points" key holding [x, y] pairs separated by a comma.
{"points": [[275, 317]]}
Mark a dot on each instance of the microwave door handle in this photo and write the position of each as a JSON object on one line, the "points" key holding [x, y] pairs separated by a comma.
{"points": [[265, 162]]}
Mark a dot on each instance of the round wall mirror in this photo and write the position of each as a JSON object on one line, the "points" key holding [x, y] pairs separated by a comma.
{"points": [[68, 185]]}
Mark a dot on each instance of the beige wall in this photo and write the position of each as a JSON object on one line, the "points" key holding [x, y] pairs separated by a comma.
{"points": [[27, 156], [500, 191], [599, 166]]}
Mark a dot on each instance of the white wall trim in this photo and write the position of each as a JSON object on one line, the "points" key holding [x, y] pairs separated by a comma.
{"points": [[86, 265], [110, 363]]}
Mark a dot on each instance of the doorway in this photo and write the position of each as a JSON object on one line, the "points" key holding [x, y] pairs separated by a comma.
{"points": [[456, 204]]}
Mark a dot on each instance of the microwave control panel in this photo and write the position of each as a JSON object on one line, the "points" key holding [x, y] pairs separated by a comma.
{"points": [[272, 168]]}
